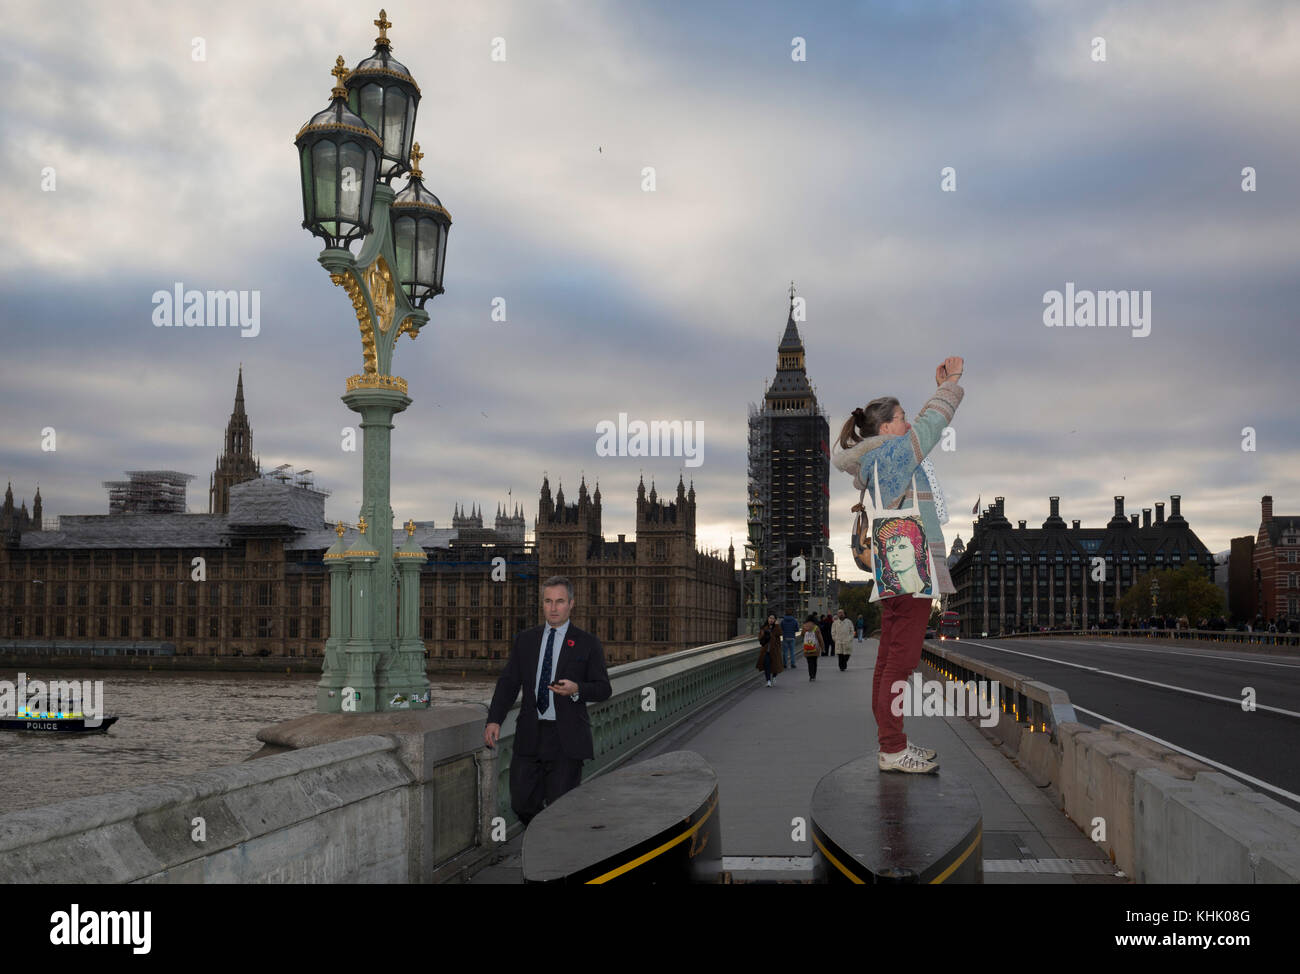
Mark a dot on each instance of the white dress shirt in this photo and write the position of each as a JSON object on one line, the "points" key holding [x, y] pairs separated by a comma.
{"points": [[560, 631]]}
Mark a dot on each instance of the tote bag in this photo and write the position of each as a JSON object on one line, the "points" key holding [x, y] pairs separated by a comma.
{"points": [[892, 546]]}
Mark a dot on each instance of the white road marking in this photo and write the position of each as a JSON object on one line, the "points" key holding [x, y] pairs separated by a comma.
{"points": [[1136, 679], [1245, 658], [1227, 659]]}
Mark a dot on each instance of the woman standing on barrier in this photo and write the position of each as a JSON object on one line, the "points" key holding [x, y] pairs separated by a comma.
{"points": [[878, 440]]}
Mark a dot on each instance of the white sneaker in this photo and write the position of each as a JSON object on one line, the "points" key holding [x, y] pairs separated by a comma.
{"points": [[905, 760], [769, 682], [924, 753]]}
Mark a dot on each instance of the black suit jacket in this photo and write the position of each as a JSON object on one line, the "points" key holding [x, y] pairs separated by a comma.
{"points": [[582, 660]]}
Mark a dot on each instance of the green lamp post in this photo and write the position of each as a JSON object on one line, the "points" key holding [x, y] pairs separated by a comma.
{"points": [[755, 527], [349, 154]]}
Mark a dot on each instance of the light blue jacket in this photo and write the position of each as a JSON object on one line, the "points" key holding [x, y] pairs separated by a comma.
{"points": [[898, 458]]}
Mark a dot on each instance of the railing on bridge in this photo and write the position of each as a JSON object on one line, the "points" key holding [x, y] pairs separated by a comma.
{"points": [[1283, 639], [649, 698], [1027, 702]]}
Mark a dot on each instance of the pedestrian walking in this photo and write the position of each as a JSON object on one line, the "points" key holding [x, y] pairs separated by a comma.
{"points": [[861, 624], [812, 645], [789, 628], [552, 729], [877, 441], [842, 633], [828, 643], [769, 637]]}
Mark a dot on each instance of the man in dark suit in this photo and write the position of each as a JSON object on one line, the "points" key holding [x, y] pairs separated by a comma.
{"points": [[561, 669]]}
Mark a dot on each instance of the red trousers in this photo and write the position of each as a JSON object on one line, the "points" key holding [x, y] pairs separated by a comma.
{"points": [[902, 633]]}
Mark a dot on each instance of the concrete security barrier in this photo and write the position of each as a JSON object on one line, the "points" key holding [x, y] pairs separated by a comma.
{"points": [[656, 821], [871, 827], [1212, 830], [1168, 818], [391, 808], [1098, 774]]}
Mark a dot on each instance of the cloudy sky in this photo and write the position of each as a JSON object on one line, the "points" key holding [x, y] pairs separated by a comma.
{"points": [[1115, 174]]}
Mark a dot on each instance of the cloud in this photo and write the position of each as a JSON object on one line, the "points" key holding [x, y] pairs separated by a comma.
{"points": [[670, 304]]}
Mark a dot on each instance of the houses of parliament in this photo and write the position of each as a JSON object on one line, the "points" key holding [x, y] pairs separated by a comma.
{"points": [[128, 576]]}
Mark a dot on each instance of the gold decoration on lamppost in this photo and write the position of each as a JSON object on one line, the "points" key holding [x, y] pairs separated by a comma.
{"points": [[376, 380], [340, 73], [361, 525], [410, 527], [416, 156], [349, 283], [379, 279], [339, 530], [383, 24]]}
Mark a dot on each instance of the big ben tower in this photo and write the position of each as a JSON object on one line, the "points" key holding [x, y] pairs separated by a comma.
{"points": [[789, 471]]}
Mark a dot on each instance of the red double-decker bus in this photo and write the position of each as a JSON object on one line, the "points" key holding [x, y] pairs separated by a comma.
{"points": [[949, 626]]}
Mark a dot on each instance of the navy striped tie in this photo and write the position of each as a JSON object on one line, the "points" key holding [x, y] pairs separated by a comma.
{"points": [[544, 681]]}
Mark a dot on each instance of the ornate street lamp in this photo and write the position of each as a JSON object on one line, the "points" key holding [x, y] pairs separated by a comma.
{"points": [[756, 543], [349, 155], [382, 92], [420, 226], [339, 155]]}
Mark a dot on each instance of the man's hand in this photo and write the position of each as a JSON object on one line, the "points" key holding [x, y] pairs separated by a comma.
{"points": [[490, 734], [951, 367], [565, 688]]}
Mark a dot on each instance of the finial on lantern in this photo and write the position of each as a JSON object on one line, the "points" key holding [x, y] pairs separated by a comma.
{"points": [[383, 25], [339, 530], [341, 75], [416, 156], [410, 527], [361, 525]]}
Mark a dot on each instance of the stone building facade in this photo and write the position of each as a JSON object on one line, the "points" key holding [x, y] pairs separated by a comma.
{"points": [[1011, 579], [653, 595], [250, 579]]}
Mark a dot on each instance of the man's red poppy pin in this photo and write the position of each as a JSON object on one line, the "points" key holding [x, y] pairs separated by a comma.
{"points": [[568, 642]]}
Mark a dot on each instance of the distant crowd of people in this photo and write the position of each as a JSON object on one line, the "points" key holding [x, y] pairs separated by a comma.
{"points": [[782, 641], [1216, 623]]}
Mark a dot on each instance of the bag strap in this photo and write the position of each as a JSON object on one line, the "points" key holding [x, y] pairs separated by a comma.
{"points": [[875, 470], [876, 501]]}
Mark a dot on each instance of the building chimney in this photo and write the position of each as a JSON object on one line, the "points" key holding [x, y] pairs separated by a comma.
{"points": [[1119, 505], [1266, 507], [1176, 519], [1056, 506], [997, 501], [621, 537], [1075, 524], [1146, 517], [1022, 525], [1160, 513], [1134, 519]]}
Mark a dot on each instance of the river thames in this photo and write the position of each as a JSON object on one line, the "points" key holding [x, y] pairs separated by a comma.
{"points": [[170, 725]]}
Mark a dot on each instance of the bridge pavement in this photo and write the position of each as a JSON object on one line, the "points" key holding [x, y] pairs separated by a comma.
{"points": [[770, 747]]}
